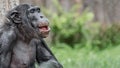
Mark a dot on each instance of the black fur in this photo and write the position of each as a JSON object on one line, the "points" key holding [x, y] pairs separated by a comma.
{"points": [[20, 37]]}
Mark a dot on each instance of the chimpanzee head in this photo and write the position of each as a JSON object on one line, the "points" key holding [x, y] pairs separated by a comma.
{"points": [[29, 20]]}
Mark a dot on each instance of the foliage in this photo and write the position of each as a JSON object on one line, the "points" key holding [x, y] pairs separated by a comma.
{"points": [[108, 36], [92, 42], [83, 58], [67, 26], [78, 30]]}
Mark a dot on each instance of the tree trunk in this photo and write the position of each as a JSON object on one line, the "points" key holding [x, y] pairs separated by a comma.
{"points": [[5, 5], [106, 11], [34, 2]]}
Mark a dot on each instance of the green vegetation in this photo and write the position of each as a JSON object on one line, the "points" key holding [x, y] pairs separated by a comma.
{"points": [[83, 58], [78, 29], [79, 42]]}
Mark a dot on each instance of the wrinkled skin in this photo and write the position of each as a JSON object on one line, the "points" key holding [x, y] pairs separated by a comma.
{"points": [[21, 39]]}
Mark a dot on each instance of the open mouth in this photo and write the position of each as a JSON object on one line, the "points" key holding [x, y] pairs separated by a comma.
{"points": [[44, 28]]}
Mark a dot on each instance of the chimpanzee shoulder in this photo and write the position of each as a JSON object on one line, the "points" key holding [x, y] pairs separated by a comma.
{"points": [[21, 39]]}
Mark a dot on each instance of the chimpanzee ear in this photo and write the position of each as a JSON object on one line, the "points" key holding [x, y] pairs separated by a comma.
{"points": [[16, 17]]}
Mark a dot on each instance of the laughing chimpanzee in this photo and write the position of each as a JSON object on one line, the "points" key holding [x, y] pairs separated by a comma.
{"points": [[21, 39]]}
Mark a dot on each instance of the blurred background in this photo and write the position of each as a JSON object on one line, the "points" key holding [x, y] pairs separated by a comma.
{"points": [[84, 33]]}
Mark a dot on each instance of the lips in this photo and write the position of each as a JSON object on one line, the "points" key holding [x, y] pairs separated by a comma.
{"points": [[44, 29]]}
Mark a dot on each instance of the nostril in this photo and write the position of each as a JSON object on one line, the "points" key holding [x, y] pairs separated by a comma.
{"points": [[41, 16]]}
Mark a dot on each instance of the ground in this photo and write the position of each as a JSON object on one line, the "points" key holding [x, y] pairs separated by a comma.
{"points": [[83, 58]]}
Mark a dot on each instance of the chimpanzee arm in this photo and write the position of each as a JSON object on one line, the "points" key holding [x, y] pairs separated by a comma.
{"points": [[6, 39], [45, 57]]}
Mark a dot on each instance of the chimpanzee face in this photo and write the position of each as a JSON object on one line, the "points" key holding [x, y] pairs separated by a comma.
{"points": [[39, 21], [31, 16]]}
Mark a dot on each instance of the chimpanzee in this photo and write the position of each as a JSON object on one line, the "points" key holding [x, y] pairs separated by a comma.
{"points": [[21, 39]]}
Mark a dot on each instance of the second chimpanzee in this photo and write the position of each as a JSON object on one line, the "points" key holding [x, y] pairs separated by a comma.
{"points": [[21, 39]]}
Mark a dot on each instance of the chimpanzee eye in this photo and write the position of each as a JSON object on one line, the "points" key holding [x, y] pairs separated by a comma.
{"points": [[32, 10], [38, 9]]}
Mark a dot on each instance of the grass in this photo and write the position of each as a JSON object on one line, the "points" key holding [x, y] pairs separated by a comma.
{"points": [[85, 58]]}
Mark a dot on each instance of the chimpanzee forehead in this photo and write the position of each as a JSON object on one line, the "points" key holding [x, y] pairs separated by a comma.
{"points": [[33, 7], [24, 7]]}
